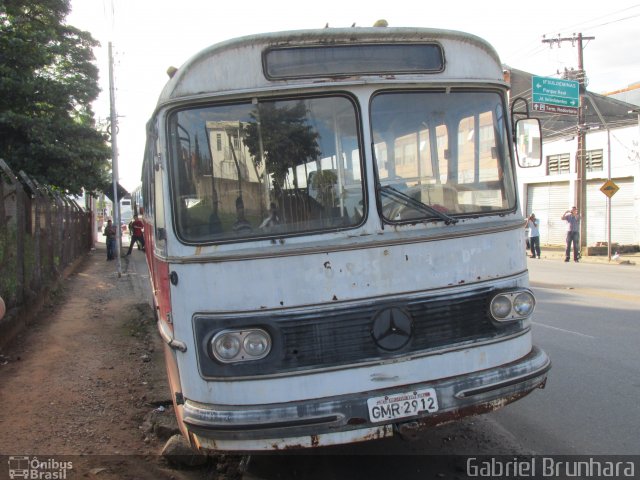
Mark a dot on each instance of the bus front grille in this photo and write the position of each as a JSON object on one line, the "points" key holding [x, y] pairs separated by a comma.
{"points": [[323, 337]]}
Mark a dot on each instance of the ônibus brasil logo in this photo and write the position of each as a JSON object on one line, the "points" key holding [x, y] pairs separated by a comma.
{"points": [[33, 468]]}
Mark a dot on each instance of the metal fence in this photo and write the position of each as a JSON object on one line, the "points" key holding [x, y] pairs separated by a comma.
{"points": [[41, 233]]}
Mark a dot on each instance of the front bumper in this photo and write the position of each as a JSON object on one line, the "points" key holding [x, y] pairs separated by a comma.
{"points": [[345, 419]]}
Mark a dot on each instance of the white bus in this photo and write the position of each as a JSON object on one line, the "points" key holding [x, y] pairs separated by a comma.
{"points": [[337, 246], [126, 212]]}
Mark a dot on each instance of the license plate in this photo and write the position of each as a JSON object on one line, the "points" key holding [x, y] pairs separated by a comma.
{"points": [[401, 405]]}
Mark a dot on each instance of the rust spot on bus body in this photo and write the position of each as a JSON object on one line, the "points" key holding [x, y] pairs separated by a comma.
{"points": [[410, 429]]}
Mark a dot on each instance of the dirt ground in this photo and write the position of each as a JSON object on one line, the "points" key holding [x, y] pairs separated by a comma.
{"points": [[79, 383]]}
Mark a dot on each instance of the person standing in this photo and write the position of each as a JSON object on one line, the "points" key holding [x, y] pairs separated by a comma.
{"points": [[136, 228], [572, 217], [110, 233], [242, 225], [534, 235]]}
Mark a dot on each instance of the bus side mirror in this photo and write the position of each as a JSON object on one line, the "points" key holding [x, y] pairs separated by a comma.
{"points": [[528, 142]]}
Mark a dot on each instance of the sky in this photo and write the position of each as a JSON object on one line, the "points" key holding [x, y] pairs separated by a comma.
{"points": [[148, 36]]}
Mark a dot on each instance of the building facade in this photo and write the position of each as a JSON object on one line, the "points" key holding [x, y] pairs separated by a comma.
{"points": [[550, 189]]}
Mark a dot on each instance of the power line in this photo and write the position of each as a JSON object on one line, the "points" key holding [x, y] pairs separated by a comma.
{"points": [[599, 18], [573, 39], [613, 21], [531, 49]]}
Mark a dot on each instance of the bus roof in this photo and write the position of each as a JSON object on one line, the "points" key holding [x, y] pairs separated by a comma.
{"points": [[236, 65]]}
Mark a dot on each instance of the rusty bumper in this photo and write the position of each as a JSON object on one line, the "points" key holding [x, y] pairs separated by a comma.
{"points": [[345, 419]]}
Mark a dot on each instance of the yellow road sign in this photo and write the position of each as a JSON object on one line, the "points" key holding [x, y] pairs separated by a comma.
{"points": [[609, 188]]}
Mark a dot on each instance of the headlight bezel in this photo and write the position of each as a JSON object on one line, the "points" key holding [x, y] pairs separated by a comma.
{"points": [[522, 305], [241, 337]]}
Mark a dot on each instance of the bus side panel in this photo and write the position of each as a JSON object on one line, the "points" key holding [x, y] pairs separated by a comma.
{"points": [[158, 276], [162, 303], [173, 376], [159, 279]]}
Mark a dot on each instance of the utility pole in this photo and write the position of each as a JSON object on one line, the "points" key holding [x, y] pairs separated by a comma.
{"points": [[114, 162], [606, 125], [581, 154]]}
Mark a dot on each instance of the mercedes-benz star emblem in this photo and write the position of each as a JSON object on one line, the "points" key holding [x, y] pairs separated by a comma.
{"points": [[392, 328]]}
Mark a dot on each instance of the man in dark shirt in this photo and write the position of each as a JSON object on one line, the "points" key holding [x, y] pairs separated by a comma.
{"points": [[110, 232], [572, 217]]}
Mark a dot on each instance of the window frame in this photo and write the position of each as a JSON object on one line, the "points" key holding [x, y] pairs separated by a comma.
{"points": [[173, 193], [379, 67], [450, 137], [560, 159]]}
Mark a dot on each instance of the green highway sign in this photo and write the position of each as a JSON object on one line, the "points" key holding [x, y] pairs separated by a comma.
{"points": [[555, 94]]}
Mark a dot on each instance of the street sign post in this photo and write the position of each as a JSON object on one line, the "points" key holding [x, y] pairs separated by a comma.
{"points": [[555, 95], [609, 188]]}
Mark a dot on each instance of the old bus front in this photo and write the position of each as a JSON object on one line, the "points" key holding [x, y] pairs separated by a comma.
{"points": [[337, 248]]}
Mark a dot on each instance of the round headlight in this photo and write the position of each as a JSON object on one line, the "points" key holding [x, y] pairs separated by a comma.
{"points": [[523, 304], [257, 344], [234, 346], [501, 306], [226, 346]]}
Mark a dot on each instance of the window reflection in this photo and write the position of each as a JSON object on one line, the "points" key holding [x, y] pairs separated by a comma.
{"points": [[268, 169], [445, 150]]}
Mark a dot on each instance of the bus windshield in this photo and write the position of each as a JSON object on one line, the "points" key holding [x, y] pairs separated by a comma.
{"points": [[441, 153], [241, 171]]}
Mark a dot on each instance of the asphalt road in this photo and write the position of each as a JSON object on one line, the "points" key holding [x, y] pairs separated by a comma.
{"points": [[588, 320]]}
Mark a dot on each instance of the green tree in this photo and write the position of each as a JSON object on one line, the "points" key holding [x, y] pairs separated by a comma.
{"points": [[48, 80]]}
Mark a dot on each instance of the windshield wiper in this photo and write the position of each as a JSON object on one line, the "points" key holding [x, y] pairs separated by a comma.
{"points": [[412, 202]]}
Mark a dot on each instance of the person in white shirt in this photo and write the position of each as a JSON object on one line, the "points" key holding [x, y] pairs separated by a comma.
{"points": [[534, 235]]}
